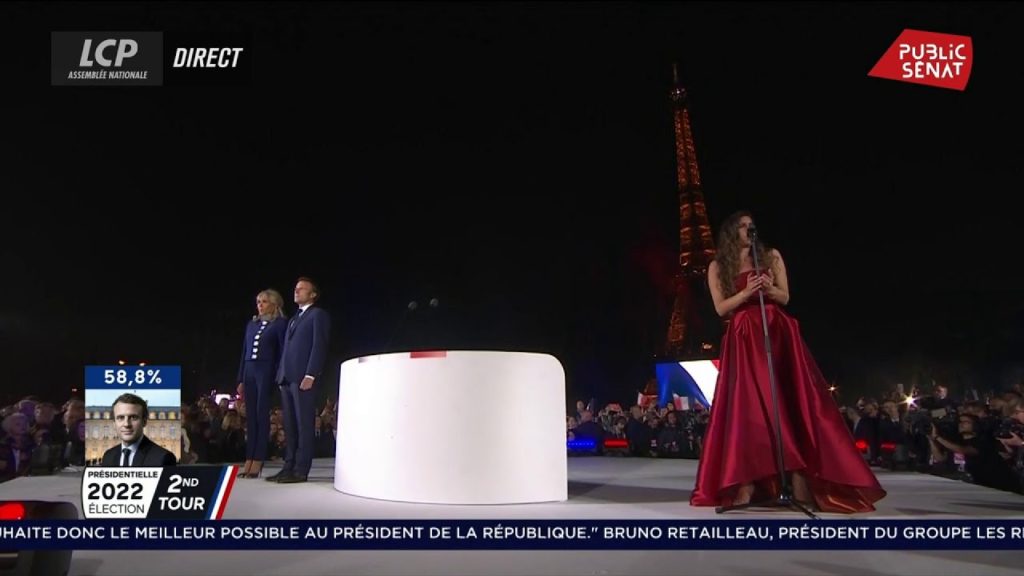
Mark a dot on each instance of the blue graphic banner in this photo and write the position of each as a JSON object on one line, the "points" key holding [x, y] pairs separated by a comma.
{"points": [[570, 534], [133, 377]]}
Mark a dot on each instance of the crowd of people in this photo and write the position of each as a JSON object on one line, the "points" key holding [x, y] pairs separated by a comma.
{"points": [[978, 441], [215, 433], [38, 437]]}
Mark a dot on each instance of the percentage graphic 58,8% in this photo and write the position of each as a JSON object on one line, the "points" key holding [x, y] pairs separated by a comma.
{"points": [[122, 376], [149, 377]]}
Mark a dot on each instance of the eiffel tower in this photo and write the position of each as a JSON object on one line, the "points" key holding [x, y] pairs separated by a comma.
{"points": [[694, 330]]}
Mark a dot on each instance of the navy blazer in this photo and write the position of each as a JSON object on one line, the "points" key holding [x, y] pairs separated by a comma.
{"points": [[305, 346], [150, 454], [263, 342]]}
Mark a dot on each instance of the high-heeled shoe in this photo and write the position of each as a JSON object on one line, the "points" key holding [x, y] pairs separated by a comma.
{"points": [[246, 470], [256, 473]]}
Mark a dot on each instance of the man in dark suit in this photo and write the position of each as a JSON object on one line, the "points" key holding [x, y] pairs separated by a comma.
{"points": [[302, 363], [130, 415]]}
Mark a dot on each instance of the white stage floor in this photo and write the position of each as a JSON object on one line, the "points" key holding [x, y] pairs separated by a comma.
{"points": [[599, 488]]}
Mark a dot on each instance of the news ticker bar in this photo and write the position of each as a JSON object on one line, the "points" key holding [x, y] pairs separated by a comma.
{"points": [[515, 535]]}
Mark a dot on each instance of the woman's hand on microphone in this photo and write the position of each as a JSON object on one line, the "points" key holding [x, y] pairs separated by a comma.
{"points": [[768, 284], [754, 283]]}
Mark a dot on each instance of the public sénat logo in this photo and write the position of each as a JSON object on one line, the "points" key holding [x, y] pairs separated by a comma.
{"points": [[928, 58]]}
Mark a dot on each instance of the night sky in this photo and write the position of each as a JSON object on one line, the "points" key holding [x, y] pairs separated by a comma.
{"points": [[517, 163]]}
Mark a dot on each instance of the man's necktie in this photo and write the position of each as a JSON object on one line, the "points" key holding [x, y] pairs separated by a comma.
{"points": [[291, 326], [126, 457]]}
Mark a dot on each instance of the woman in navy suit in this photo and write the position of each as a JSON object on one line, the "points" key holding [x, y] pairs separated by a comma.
{"points": [[261, 355]]}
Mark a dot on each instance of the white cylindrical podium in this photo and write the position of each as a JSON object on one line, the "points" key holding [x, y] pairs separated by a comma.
{"points": [[452, 427]]}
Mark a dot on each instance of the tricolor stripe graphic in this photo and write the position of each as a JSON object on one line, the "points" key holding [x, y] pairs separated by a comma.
{"points": [[224, 485]]}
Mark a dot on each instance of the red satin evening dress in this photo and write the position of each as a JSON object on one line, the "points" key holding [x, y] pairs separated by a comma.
{"points": [[739, 445]]}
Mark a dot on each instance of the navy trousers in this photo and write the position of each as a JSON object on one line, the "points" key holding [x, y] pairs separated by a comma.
{"points": [[258, 384], [299, 411]]}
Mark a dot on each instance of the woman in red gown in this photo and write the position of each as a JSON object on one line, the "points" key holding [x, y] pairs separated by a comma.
{"points": [[739, 462]]}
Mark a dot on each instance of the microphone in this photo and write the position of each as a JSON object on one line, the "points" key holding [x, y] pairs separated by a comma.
{"points": [[755, 243], [753, 235]]}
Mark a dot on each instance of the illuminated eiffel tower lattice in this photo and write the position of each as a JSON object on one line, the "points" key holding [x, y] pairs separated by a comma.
{"points": [[694, 327]]}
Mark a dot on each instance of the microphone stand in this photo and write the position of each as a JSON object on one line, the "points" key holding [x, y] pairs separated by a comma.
{"points": [[785, 498]]}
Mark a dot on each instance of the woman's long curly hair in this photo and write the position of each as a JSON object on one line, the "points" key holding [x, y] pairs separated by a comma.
{"points": [[729, 252]]}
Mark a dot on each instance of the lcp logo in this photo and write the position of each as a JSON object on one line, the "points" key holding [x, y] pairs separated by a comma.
{"points": [[126, 48], [106, 59]]}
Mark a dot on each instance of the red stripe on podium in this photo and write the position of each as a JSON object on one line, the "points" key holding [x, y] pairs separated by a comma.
{"points": [[429, 354]]}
